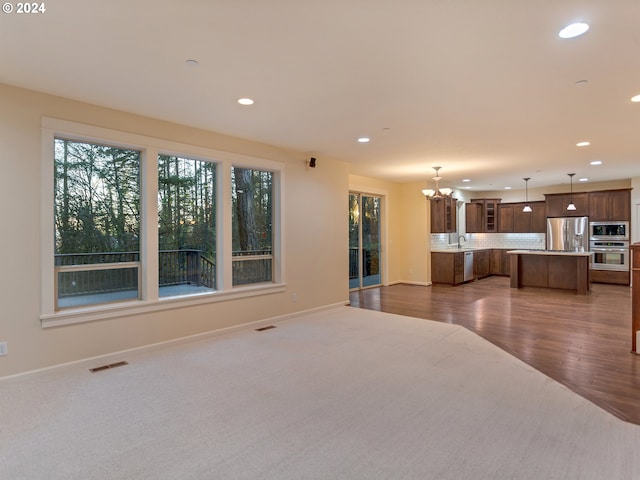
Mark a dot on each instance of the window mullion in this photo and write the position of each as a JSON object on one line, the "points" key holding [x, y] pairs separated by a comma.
{"points": [[225, 229], [149, 224]]}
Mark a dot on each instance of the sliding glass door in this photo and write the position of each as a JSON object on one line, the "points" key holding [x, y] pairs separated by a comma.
{"points": [[364, 241]]}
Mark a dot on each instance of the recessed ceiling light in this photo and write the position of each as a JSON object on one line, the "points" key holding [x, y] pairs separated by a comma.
{"points": [[507, 188], [467, 187], [583, 144], [466, 179], [364, 139], [635, 99], [596, 162], [583, 180], [245, 101], [573, 30], [192, 63], [581, 82]]}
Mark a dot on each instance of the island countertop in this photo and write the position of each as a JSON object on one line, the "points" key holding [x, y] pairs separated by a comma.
{"points": [[550, 252]]}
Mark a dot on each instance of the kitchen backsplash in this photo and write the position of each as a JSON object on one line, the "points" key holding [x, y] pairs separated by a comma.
{"points": [[490, 240]]}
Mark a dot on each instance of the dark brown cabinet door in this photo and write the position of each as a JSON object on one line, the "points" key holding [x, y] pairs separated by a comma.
{"points": [[481, 263], [474, 217], [614, 205], [557, 204], [620, 205], [506, 218], [442, 267], [538, 217], [443, 215], [521, 219]]}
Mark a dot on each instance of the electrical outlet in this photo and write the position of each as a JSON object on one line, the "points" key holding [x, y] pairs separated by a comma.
{"points": [[294, 297], [3, 349]]}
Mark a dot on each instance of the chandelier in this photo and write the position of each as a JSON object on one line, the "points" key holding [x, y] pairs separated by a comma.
{"points": [[438, 193]]}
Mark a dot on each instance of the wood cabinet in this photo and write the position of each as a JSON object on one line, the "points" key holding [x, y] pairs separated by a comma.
{"points": [[499, 262], [447, 267], [557, 203], [511, 218], [482, 215], [443, 215], [543, 270], [481, 263], [506, 217], [538, 217], [610, 205], [610, 276], [474, 217]]}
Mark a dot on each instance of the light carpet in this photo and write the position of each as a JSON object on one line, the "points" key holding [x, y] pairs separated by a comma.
{"points": [[339, 394]]}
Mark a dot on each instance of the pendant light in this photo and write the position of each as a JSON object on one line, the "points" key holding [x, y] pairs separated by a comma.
{"points": [[527, 207], [438, 193], [571, 206]]}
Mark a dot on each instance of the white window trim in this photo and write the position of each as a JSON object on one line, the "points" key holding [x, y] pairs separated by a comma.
{"points": [[150, 147]]}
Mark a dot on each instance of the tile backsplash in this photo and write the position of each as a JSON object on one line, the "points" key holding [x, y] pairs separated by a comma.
{"points": [[490, 240]]}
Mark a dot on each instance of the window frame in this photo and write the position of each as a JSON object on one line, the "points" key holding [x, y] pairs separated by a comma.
{"points": [[150, 148]]}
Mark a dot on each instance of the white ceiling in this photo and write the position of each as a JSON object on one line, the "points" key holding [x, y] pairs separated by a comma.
{"points": [[483, 88]]}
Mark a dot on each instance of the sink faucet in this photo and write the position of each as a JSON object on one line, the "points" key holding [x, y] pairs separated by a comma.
{"points": [[461, 237]]}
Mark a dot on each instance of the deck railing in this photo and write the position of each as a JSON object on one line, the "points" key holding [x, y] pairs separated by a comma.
{"points": [[92, 273], [370, 262], [252, 266]]}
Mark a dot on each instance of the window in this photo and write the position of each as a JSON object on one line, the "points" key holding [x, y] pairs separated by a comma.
{"points": [[186, 226], [97, 223], [141, 224], [252, 215]]}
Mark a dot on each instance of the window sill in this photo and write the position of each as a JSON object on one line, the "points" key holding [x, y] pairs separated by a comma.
{"points": [[135, 307]]}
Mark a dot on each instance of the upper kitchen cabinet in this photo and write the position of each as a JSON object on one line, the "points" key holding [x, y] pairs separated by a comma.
{"points": [[557, 204], [482, 215], [506, 215], [538, 217], [511, 218], [610, 205], [474, 217], [443, 215]]}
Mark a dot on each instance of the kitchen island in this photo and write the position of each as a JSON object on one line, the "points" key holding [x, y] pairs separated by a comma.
{"points": [[551, 269]]}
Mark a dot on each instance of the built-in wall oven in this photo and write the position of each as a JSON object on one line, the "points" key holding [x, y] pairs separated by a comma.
{"points": [[609, 231], [609, 243], [610, 255]]}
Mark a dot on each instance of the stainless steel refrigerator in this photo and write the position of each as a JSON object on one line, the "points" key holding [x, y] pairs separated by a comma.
{"points": [[569, 234]]}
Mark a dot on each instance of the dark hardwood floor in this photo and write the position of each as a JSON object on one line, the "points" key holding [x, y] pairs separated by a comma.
{"points": [[582, 341]]}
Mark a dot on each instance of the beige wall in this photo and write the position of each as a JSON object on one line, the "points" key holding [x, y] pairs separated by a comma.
{"points": [[316, 223]]}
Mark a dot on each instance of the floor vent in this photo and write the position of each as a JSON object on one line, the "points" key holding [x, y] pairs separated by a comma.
{"points": [[107, 367], [262, 329]]}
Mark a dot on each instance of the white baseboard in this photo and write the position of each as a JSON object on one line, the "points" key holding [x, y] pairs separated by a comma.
{"points": [[411, 282]]}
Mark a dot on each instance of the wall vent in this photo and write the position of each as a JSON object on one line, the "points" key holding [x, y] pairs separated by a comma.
{"points": [[262, 329], [107, 367]]}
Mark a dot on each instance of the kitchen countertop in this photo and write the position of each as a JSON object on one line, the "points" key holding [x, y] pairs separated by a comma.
{"points": [[461, 249], [550, 252]]}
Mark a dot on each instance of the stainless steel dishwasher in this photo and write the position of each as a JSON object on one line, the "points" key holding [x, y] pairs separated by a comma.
{"points": [[468, 266]]}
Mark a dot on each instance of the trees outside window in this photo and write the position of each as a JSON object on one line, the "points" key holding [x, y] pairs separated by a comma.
{"points": [[97, 223], [186, 225], [252, 222]]}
